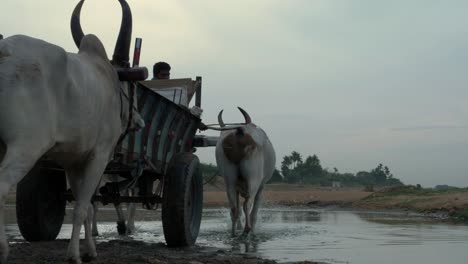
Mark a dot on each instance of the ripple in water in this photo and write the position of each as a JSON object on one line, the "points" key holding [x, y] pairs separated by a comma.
{"points": [[286, 234]]}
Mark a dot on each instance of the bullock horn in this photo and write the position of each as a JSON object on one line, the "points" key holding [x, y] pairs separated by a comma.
{"points": [[122, 46], [220, 119], [75, 24], [247, 118]]}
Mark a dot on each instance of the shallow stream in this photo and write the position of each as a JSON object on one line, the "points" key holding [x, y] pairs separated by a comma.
{"points": [[332, 236]]}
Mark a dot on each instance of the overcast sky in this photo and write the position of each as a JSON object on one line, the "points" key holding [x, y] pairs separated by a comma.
{"points": [[356, 82]]}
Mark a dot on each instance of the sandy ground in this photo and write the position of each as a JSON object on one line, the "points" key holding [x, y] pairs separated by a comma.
{"points": [[448, 202], [292, 195], [296, 195]]}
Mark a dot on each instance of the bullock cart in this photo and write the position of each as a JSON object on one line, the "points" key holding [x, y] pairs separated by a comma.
{"points": [[157, 161]]}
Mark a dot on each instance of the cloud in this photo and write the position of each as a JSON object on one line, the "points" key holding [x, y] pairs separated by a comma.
{"points": [[357, 83]]}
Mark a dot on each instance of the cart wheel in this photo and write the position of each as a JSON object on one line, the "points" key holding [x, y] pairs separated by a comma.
{"points": [[40, 204], [182, 201]]}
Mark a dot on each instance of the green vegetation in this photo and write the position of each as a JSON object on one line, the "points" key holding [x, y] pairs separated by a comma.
{"points": [[413, 190], [310, 172], [462, 215], [209, 172]]}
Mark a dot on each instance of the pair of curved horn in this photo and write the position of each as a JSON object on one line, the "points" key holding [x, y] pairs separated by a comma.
{"points": [[247, 118], [122, 46]]}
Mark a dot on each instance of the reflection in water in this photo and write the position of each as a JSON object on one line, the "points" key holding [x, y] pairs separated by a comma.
{"points": [[244, 244], [298, 216], [395, 218], [342, 237], [288, 234]]}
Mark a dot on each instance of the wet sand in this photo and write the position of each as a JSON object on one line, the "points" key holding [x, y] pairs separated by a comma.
{"points": [[292, 195], [126, 251]]}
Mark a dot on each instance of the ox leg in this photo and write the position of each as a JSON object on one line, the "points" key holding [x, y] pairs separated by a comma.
{"points": [[256, 206], [236, 215], [247, 210], [230, 179], [3, 242], [83, 183], [233, 198], [121, 227], [95, 231], [238, 224], [90, 253], [131, 209], [252, 171], [15, 165]]}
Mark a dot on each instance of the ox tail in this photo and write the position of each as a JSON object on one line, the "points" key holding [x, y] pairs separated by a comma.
{"points": [[239, 132]]}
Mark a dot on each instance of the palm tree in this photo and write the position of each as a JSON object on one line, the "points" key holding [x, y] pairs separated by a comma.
{"points": [[296, 158], [286, 165]]}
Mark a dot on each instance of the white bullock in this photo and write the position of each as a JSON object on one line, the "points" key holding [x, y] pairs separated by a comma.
{"points": [[71, 107], [246, 159]]}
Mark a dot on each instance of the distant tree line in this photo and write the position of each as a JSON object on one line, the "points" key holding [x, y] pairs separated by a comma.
{"points": [[295, 170], [209, 172], [310, 171]]}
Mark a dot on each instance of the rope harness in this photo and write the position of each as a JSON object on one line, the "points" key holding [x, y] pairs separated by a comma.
{"points": [[130, 100]]}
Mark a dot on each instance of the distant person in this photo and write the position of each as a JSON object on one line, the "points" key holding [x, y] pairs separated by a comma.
{"points": [[161, 71]]}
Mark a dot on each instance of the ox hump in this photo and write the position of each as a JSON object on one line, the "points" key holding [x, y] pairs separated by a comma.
{"points": [[91, 45], [238, 146]]}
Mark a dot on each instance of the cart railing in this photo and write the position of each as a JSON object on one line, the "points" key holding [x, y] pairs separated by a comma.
{"points": [[170, 129]]}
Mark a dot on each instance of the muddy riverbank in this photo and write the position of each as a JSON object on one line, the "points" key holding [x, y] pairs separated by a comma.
{"points": [[127, 251], [145, 247], [441, 204]]}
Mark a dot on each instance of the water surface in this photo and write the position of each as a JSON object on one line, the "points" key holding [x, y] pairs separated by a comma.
{"points": [[333, 236]]}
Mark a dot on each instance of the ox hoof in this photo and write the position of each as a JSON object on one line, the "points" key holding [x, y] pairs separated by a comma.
{"points": [[121, 228], [73, 260], [88, 257], [130, 230], [246, 233], [3, 254]]}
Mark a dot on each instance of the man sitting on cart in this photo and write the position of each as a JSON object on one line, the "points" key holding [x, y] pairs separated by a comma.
{"points": [[161, 71]]}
